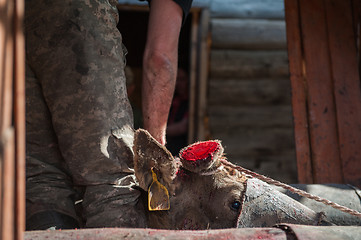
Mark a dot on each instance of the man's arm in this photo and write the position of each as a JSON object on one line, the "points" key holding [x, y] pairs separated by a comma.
{"points": [[160, 63]]}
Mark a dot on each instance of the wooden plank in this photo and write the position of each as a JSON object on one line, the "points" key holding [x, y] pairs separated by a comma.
{"points": [[281, 169], [6, 132], [252, 148], [8, 186], [258, 161], [142, 6], [347, 89], [322, 123], [235, 92], [247, 9], [299, 100], [3, 35], [356, 6], [248, 64], [192, 124], [248, 34], [261, 141], [204, 45], [19, 119], [7, 70], [222, 117]]}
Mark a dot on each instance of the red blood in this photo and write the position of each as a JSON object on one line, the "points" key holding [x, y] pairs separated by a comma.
{"points": [[200, 151]]}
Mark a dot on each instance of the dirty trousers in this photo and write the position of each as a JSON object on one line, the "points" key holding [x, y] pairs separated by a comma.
{"points": [[78, 118]]}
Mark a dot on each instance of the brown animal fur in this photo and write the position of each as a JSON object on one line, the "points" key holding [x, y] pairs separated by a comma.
{"points": [[205, 193], [198, 200]]}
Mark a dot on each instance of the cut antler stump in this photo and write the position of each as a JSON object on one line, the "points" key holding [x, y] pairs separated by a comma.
{"points": [[201, 156]]}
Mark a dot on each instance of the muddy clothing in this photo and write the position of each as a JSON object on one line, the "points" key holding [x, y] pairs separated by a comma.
{"points": [[78, 118], [265, 207]]}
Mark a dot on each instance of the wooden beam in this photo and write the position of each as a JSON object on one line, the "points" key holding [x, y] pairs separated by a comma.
{"points": [[356, 6], [299, 92], [247, 9], [321, 106], [260, 143], [12, 120], [3, 24], [7, 142], [257, 116], [7, 137], [347, 91], [250, 91], [19, 119], [192, 124], [248, 34], [249, 64], [204, 45]]}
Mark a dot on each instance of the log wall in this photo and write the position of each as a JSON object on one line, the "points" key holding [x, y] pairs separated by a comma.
{"points": [[249, 92]]}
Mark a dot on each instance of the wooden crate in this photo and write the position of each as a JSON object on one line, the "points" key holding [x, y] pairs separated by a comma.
{"points": [[324, 58]]}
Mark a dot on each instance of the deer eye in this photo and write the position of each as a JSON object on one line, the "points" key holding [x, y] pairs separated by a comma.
{"points": [[236, 205]]}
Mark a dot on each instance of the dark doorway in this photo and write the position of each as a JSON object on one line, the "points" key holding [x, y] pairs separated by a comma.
{"points": [[133, 27], [194, 44]]}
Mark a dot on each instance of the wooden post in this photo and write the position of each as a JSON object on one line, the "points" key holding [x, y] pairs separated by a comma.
{"points": [[322, 113], [192, 78], [299, 101], [347, 91], [12, 120], [19, 119], [6, 130], [202, 68], [356, 6]]}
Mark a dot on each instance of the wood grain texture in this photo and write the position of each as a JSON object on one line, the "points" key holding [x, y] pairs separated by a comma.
{"points": [[321, 106], [233, 117], [248, 64], [248, 34], [247, 9], [19, 119], [347, 91], [299, 100], [7, 138], [258, 91]]}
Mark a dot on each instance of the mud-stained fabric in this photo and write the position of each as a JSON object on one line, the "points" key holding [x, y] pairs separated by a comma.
{"points": [[79, 120], [265, 207]]}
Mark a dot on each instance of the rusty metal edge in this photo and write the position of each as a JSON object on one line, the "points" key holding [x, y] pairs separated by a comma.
{"points": [[303, 232], [279, 232], [131, 233]]}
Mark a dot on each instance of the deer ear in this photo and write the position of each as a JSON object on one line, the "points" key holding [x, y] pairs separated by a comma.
{"points": [[150, 155], [201, 156]]}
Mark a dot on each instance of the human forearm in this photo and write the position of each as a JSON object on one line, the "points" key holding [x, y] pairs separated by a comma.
{"points": [[160, 65], [158, 87]]}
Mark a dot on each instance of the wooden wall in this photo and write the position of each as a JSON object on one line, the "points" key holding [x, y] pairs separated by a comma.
{"points": [[324, 52], [249, 95]]}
